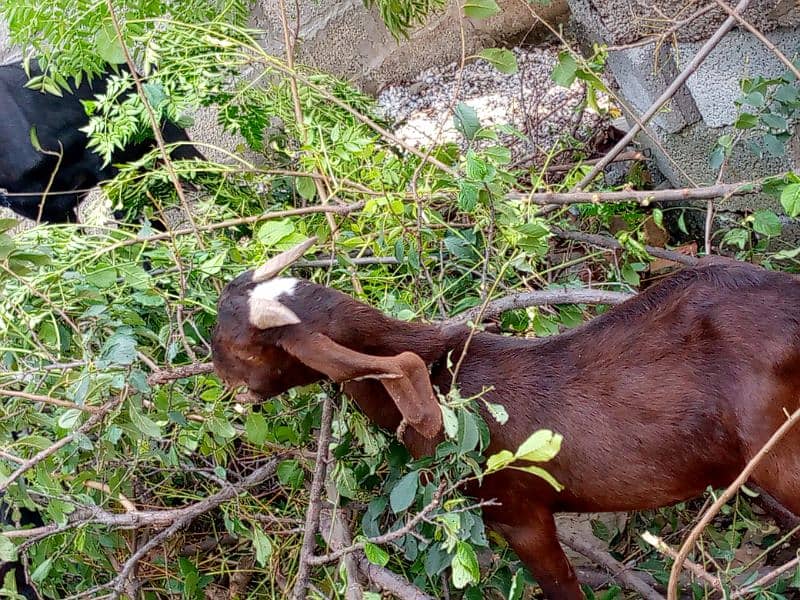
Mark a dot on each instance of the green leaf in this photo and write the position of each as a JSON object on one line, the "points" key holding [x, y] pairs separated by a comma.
{"points": [[8, 550], [306, 187], [255, 427], [474, 167], [103, 277], [42, 571], [154, 92], [517, 585], [450, 421], [272, 232], [767, 223], [465, 566], [566, 69], [108, 46], [69, 418], [468, 434], [774, 145], [6, 224], [774, 121], [501, 59], [480, 9], [290, 474], [404, 492], [499, 461], [786, 254], [143, 423], [467, 196], [262, 545], [534, 470], [465, 120], [746, 121], [790, 199], [498, 412], [499, 154], [375, 554], [540, 447]]}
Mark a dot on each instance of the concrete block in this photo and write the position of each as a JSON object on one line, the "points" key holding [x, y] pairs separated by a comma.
{"points": [[642, 75], [715, 85]]}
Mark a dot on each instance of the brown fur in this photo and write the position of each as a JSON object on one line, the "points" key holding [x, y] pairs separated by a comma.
{"points": [[660, 397]]}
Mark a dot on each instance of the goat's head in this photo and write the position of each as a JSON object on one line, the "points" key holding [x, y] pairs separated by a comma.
{"points": [[274, 333]]}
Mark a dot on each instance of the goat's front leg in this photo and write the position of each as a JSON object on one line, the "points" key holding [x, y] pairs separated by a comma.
{"points": [[535, 541]]}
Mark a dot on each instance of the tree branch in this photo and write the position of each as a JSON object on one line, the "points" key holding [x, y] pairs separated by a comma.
{"points": [[643, 197], [620, 572], [314, 502], [542, 297]]}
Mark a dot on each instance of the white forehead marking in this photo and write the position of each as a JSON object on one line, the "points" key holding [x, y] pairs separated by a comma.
{"points": [[274, 288]]}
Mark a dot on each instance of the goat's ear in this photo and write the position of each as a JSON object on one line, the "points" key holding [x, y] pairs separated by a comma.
{"points": [[405, 376]]}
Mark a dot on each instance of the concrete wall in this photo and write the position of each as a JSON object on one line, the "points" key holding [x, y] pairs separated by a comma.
{"points": [[687, 129], [350, 41]]}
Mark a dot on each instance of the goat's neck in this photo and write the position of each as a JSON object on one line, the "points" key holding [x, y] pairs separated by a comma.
{"points": [[374, 333]]}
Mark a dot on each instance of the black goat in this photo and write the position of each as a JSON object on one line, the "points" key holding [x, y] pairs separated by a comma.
{"points": [[57, 121]]}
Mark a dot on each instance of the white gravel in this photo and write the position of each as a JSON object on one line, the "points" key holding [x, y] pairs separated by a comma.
{"points": [[528, 100]]}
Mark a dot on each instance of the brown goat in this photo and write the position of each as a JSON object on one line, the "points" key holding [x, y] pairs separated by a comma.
{"points": [[657, 399]]}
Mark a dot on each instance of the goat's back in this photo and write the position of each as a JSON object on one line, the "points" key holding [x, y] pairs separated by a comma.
{"points": [[676, 387]]}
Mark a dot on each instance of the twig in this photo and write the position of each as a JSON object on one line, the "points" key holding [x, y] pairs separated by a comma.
{"points": [[608, 242], [94, 420], [697, 570], [49, 400], [766, 579], [165, 375], [620, 572], [337, 535], [314, 503], [330, 261], [387, 537], [624, 156], [542, 297], [186, 515], [672, 588], [391, 582], [698, 59], [278, 214], [643, 197]]}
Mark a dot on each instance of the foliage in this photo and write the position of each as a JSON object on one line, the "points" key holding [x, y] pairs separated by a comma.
{"points": [[88, 315]]}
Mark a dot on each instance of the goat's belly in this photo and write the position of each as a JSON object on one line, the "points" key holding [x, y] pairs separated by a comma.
{"points": [[639, 486]]}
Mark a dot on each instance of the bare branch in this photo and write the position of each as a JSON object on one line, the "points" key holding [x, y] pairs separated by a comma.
{"points": [[314, 502], [609, 242], [49, 400], [620, 572], [543, 297], [697, 570], [643, 197], [165, 375]]}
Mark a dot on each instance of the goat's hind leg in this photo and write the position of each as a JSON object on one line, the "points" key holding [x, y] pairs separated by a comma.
{"points": [[535, 541]]}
